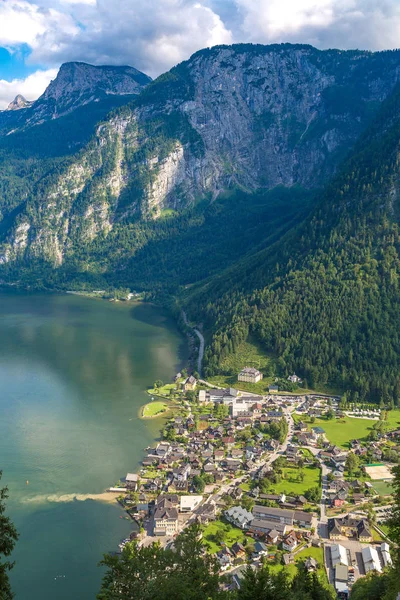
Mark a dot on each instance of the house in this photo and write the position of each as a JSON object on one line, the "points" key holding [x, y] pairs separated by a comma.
{"points": [[132, 481], [260, 549], [289, 543], [166, 515], [238, 516], [292, 452], [303, 519], [273, 536], [339, 555], [311, 564], [385, 553], [238, 550], [206, 513], [182, 473], [288, 559], [250, 375], [225, 558], [348, 526], [294, 378], [189, 503], [190, 384], [273, 514], [371, 559], [262, 526]]}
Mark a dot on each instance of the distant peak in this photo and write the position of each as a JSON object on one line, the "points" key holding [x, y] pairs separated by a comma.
{"points": [[18, 102]]}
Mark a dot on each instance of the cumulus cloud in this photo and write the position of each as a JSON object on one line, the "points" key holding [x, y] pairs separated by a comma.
{"points": [[150, 36], [366, 24], [31, 87], [154, 35]]}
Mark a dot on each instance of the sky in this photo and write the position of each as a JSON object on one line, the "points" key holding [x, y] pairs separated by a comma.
{"points": [[36, 36]]}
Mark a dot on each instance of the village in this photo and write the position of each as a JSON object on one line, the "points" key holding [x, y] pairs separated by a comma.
{"points": [[263, 477]]}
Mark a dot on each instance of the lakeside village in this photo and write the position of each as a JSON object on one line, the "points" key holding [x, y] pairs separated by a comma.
{"points": [[271, 477]]}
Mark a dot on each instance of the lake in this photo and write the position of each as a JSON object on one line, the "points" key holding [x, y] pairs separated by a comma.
{"points": [[73, 375]]}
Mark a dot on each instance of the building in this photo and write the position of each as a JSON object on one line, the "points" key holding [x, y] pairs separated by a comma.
{"points": [[341, 577], [339, 555], [166, 515], [277, 515], [262, 526], [348, 526], [189, 503], [238, 516], [273, 389], [190, 384], [385, 552], [224, 396], [294, 378], [132, 481], [371, 559], [250, 375], [290, 542]]}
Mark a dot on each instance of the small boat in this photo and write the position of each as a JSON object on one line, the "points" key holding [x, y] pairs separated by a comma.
{"points": [[27, 482]]}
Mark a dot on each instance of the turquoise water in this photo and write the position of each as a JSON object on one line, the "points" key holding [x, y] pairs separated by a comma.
{"points": [[72, 377]]}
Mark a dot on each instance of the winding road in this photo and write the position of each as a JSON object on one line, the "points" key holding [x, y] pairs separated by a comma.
{"points": [[201, 338]]}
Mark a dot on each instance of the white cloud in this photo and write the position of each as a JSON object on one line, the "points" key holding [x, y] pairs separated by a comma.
{"points": [[22, 22], [152, 36], [324, 23], [31, 87]]}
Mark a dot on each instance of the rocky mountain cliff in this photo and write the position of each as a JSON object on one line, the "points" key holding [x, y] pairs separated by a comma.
{"points": [[18, 103], [76, 85], [241, 117]]}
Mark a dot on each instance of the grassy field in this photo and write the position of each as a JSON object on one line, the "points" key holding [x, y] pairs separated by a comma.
{"points": [[153, 409], [231, 535], [341, 431], [291, 484], [393, 419], [291, 570], [383, 488], [167, 391]]}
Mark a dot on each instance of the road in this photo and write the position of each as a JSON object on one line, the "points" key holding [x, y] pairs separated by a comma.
{"points": [[201, 339]]}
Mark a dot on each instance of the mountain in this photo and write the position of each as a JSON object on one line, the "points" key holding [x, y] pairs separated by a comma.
{"points": [[324, 298], [231, 118], [76, 85], [18, 103], [257, 184]]}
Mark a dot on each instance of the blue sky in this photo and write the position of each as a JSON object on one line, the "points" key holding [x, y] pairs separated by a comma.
{"points": [[36, 36]]}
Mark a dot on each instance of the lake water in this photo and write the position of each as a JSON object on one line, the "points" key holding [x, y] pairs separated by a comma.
{"points": [[73, 375]]}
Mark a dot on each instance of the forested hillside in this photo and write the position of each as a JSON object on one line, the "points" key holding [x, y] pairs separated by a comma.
{"points": [[325, 297], [231, 121]]}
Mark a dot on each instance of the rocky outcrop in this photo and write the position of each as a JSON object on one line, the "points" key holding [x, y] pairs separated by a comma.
{"points": [[243, 116], [18, 103], [77, 84]]}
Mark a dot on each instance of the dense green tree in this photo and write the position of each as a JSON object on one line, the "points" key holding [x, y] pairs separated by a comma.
{"points": [[154, 573], [8, 537]]}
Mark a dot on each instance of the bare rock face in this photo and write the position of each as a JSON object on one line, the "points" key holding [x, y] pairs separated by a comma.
{"points": [[244, 116], [76, 85], [79, 83], [18, 103]]}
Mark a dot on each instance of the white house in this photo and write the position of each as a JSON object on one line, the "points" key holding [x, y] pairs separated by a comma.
{"points": [[189, 503], [250, 375], [371, 559], [294, 378]]}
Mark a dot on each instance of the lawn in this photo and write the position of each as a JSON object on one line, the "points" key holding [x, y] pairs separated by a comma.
{"points": [[291, 570], [383, 488], [231, 535], [168, 390], [341, 431], [152, 409], [291, 484], [393, 419]]}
